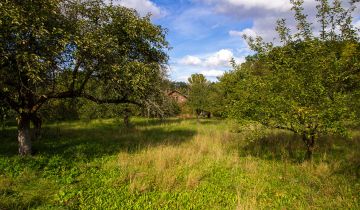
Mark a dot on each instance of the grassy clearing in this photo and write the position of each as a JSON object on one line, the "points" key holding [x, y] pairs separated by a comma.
{"points": [[177, 164]]}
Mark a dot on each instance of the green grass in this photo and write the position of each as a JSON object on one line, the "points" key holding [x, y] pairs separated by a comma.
{"points": [[176, 164]]}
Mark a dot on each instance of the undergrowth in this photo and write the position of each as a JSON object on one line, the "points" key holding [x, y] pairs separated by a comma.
{"points": [[176, 164]]}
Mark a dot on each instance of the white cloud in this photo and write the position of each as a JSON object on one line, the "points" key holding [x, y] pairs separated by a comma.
{"points": [[277, 5], [212, 73], [264, 28], [220, 58], [211, 65], [246, 31], [143, 7], [254, 8], [235, 33], [190, 60], [182, 78], [263, 15]]}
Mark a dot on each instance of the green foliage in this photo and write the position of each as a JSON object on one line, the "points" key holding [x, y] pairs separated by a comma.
{"points": [[58, 110], [307, 84], [198, 99], [214, 100], [58, 49], [182, 87], [299, 88], [228, 91], [161, 107], [6, 114]]}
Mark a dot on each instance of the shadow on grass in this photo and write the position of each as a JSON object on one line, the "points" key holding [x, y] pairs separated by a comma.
{"points": [[156, 122], [98, 141], [64, 147], [18, 203], [285, 146]]}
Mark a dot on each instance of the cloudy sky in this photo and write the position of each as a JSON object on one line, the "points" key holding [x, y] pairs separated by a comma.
{"points": [[206, 34]]}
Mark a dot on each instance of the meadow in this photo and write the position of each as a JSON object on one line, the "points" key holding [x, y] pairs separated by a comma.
{"points": [[177, 164]]}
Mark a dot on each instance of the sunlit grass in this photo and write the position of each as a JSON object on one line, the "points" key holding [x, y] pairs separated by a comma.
{"points": [[176, 164]]}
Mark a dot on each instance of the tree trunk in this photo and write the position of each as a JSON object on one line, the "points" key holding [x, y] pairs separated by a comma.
{"points": [[198, 112], [127, 119], [310, 143], [37, 126], [309, 152], [290, 145], [24, 134]]}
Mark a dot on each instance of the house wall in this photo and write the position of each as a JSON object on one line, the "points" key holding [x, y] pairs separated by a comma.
{"points": [[178, 97]]}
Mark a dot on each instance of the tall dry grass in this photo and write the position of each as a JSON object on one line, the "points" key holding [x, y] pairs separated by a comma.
{"points": [[180, 164]]}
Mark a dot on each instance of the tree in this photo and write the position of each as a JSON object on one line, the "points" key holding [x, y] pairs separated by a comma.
{"points": [[225, 92], [58, 49], [182, 87], [198, 94], [306, 84]]}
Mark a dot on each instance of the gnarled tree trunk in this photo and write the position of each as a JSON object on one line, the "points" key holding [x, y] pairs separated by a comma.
{"points": [[37, 122], [310, 143], [24, 138]]}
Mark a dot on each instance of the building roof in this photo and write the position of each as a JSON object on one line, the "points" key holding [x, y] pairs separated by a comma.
{"points": [[175, 91]]}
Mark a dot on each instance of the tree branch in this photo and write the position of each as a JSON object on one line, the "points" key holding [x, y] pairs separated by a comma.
{"points": [[109, 101], [74, 75], [75, 94], [284, 128], [86, 79]]}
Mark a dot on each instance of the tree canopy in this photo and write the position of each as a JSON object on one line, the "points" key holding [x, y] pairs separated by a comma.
{"points": [[199, 88], [56, 49], [306, 84]]}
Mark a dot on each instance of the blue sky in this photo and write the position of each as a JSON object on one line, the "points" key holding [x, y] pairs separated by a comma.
{"points": [[206, 34]]}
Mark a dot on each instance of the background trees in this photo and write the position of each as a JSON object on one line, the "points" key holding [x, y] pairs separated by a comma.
{"points": [[57, 49], [182, 87], [199, 91]]}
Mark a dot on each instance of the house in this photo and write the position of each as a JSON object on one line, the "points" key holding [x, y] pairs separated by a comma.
{"points": [[178, 97]]}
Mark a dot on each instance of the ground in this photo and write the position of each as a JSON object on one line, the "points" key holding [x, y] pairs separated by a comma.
{"points": [[177, 164]]}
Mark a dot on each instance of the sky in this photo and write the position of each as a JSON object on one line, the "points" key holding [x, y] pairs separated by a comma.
{"points": [[205, 35]]}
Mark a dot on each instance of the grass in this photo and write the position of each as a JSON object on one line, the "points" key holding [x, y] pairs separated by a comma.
{"points": [[176, 164]]}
